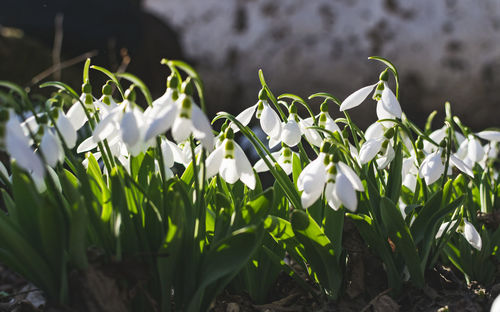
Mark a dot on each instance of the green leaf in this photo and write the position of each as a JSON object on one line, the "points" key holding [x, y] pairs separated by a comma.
{"points": [[421, 224], [135, 80], [394, 180], [401, 236], [86, 71], [391, 67], [318, 251], [379, 245], [112, 77], [61, 86], [223, 262]]}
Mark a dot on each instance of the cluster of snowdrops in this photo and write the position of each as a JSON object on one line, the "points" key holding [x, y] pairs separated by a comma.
{"points": [[138, 182]]}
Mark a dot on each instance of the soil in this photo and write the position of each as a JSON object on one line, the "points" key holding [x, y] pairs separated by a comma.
{"points": [[445, 291]]}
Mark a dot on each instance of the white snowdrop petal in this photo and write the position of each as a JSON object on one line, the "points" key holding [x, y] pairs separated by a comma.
{"points": [[50, 147], [472, 235], [244, 167], [181, 129], [161, 123], [345, 192], [76, 115], [382, 113], [202, 130], [270, 122], [129, 129], [307, 199], [369, 150], [312, 135], [356, 98], [352, 176], [316, 169], [390, 102], [490, 135], [167, 153], [229, 170], [443, 227], [475, 149], [291, 134], [432, 168], [67, 131], [244, 117], [455, 161], [87, 145], [331, 197], [374, 131], [214, 160]]}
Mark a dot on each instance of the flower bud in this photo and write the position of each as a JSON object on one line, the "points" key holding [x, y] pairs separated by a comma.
{"points": [[107, 89], [384, 76], [175, 94], [325, 147], [324, 107], [187, 87], [229, 133], [292, 109], [263, 94], [377, 95], [172, 81], [54, 112], [130, 94], [345, 132], [86, 88]]}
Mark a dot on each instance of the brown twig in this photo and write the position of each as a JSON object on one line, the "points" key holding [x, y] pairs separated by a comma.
{"points": [[49, 71]]}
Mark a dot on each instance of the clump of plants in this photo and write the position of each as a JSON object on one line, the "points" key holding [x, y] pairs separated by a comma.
{"points": [[164, 208]]}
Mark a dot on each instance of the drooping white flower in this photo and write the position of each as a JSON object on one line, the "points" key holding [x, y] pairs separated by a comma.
{"points": [[338, 179], [19, 146], [490, 135], [76, 113], [377, 142], [66, 129], [432, 168], [270, 122], [191, 120], [324, 121], [231, 163], [51, 148], [465, 228], [383, 94], [163, 112], [284, 157]]}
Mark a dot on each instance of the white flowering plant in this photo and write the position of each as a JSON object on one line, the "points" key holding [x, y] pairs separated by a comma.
{"points": [[161, 188]]}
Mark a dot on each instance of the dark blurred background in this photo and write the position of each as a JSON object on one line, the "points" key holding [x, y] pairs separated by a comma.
{"points": [[444, 49]]}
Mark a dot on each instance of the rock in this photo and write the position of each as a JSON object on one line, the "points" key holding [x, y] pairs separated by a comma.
{"points": [[444, 50]]}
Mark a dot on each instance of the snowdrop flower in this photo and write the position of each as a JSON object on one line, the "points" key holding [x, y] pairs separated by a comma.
{"points": [[163, 110], [490, 135], [340, 181], [284, 157], [18, 145], [66, 129], [290, 132], [230, 162], [432, 167], [51, 147], [377, 141], [324, 121], [191, 120], [269, 119], [76, 113], [466, 229], [383, 94]]}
